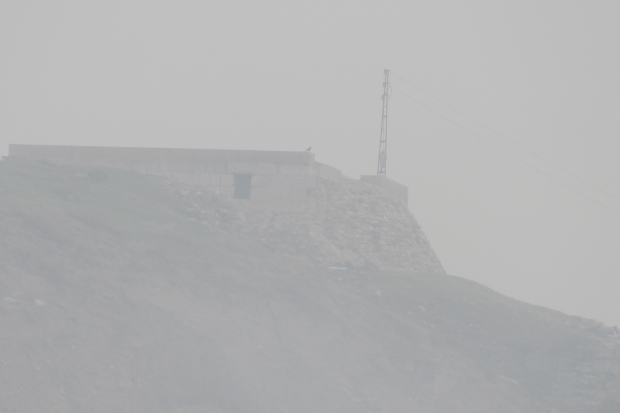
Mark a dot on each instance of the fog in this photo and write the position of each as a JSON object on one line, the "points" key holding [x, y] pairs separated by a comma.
{"points": [[278, 75]]}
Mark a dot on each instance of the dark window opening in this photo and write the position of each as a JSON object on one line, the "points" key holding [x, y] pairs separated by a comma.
{"points": [[243, 186]]}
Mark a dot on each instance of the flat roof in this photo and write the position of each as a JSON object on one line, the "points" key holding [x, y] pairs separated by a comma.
{"points": [[108, 152]]}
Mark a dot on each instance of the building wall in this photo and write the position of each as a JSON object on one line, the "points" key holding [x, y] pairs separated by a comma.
{"points": [[281, 181]]}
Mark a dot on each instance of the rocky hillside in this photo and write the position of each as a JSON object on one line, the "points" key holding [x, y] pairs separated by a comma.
{"points": [[119, 293]]}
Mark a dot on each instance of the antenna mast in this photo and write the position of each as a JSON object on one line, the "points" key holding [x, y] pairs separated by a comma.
{"points": [[384, 125]]}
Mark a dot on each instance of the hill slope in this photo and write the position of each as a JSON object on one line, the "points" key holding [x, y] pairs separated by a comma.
{"points": [[114, 300]]}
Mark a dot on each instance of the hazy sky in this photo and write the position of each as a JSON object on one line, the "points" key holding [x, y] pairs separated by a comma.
{"points": [[284, 75]]}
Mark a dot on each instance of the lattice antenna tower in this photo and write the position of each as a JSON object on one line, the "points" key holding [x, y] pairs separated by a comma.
{"points": [[381, 164]]}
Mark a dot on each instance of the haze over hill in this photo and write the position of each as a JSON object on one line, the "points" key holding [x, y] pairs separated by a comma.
{"points": [[277, 75], [125, 292]]}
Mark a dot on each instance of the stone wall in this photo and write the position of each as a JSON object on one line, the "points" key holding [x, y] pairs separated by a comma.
{"points": [[397, 191], [355, 225]]}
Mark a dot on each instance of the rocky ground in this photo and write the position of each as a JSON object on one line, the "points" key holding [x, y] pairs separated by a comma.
{"points": [[118, 295]]}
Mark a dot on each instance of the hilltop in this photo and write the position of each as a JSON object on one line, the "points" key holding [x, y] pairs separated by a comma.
{"points": [[122, 292]]}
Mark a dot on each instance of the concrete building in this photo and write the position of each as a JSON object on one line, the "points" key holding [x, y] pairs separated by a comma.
{"points": [[258, 180]]}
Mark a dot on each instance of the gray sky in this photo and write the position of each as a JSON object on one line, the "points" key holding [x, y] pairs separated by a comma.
{"points": [[282, 75]]}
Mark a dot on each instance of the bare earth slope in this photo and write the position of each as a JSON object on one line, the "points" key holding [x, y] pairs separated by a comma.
{"points": [[113, 300]]}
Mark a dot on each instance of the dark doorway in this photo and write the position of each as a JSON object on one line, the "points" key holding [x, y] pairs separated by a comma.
{"points": [[243, 186]]}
